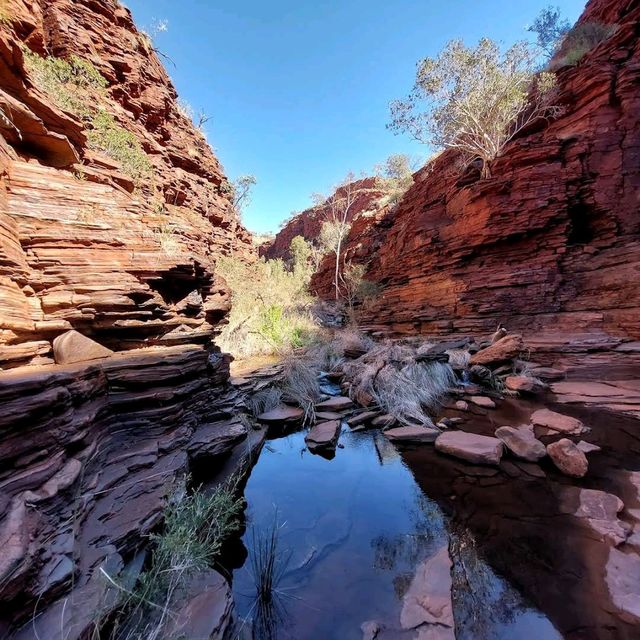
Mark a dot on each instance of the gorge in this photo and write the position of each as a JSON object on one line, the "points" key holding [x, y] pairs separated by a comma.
{"points": [[419, 477]]}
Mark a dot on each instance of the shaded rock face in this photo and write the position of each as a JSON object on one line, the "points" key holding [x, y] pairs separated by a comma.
{"points": [[79, 249], [88, 455], [549, 245]]}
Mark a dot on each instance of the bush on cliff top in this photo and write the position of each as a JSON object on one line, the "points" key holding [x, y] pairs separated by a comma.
{"points": [[475, 99]]}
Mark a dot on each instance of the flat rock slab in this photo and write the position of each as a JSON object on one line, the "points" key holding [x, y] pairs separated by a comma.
{"points": [[524, 384], [323, 435], [283, 413], [568, 458], [522, 442], [72, 347], [623, 582], [414, 433], [328, 415], [548, 421], [337, 403], [483, 401], [503, 350], [383, 421], [598, 509], [428, 599], [470, 447], [588, 447], [362, 418]]}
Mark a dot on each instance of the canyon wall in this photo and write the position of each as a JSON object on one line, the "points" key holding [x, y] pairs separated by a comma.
{"points": [[308, 223], [90, 451], [549, 245]]}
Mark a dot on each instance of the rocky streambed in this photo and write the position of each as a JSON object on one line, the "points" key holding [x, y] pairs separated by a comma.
{"points": [[384, 534]]}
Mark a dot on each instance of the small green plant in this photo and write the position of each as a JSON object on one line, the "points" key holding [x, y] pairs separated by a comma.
{"points": [[195, 528], [581, 39], [108, 136], [67, 82]]}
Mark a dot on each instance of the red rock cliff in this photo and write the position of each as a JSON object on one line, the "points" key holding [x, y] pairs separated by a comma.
{"points": [[79, 247], [308, 223], [550, 244]]}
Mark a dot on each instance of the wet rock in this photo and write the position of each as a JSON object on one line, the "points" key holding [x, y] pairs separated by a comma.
{"points": [[522, 442], [427, 605], [470, 447], [283, 413], [568, 458], [588, 447], [323, 435], [337, 403], [446, 423], [599, 509], [414, 433], [215, 439], [483, 401], [524, 384], [72, 347], [623, 582], [547, 421], [505, 349], [530, 469]]}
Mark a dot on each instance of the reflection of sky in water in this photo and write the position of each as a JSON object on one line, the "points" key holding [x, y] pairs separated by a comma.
{"points": [[356, 528]]}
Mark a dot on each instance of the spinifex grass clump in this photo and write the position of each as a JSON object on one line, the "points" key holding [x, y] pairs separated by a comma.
{"points": [[195, 527]]}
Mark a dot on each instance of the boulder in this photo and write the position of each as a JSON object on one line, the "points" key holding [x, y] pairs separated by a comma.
{"points": [[461, 405], [323, 435], [470, 447], [505, 349], [522, 442], [568, 458], [623, 582], [547, 421], [72, 347], [337, 403], [483, 401], [283, 413], [413, 433], [524, 384]]}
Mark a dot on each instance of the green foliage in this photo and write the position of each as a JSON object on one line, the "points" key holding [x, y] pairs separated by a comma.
{"points": [[581, 39], [475, 99], [395, 176], [550, 29], [301, 252], [271, 308], [357, 289], [240, 192], [108, 136], [76, 86], [68, 83]]}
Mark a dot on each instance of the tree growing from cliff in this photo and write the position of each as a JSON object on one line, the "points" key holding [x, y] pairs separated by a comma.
{"points": [[550, 28], [475, 99], [338, 207], [240, 192], [395, 175]]}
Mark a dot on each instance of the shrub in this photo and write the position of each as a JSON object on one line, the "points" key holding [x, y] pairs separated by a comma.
{"points": [[67, 82], [475, 99], [108, 136], [581, 39], [271, 310], [395, 176]]}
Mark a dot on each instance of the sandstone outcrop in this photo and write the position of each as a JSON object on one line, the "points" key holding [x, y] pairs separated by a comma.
{"points": [[550, 245], [80, 248]]}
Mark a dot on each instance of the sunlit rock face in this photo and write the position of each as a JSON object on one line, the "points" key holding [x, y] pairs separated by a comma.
{"points": [[549, 245], [94, 433], [83, 245]]}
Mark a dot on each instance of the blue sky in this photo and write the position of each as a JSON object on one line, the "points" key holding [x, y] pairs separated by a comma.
{"points": [[298, 90]]}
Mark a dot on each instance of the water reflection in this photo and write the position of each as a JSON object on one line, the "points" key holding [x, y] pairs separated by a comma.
{"points": [[356, 529]]}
